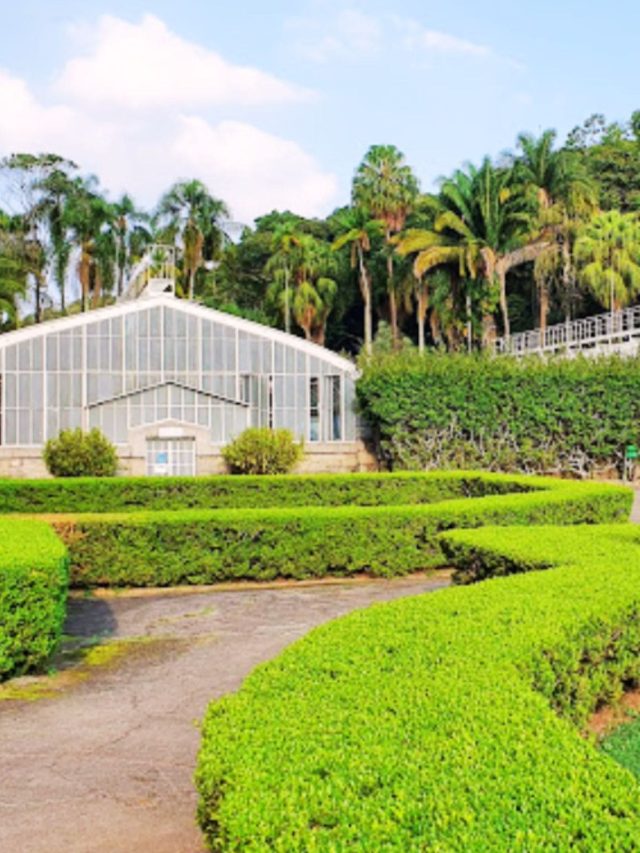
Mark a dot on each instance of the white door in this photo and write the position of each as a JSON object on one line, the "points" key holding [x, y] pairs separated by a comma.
{"points": [[171, 457]]}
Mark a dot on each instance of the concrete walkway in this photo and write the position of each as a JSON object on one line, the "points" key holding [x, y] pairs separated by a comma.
{"points": [[635, 510], [106, 765]]}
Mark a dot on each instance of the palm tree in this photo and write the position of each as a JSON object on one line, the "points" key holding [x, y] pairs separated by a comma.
{"points": [[56, 188], [484, 227], [358, 231], [564, 194], [132, 236], [312, 304], [310, 264], [13, 273], [189, 210], [285, 243], [608, 254], [386, 186], [90, 220]]}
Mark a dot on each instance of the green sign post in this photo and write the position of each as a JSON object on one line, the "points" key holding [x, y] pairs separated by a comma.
{"points": [[630, 457]]}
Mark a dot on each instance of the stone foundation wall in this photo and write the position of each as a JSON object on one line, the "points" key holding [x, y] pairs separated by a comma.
{"points": [[339, 458]]}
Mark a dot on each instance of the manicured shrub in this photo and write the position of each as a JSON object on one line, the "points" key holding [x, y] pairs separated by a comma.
{"points": [[205, 546], [33, 587], [260, 450], [571, 416], [75, 453], [436, 723], [124, 494]]}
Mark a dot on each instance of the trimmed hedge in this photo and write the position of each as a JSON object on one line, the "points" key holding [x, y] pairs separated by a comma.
{"points": [[446, 721], [129, 494], [205, 546], [33, 589], [534, 415]]}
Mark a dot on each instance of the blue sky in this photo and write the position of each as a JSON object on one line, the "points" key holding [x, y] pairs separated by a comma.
{"points": [[276, 108]]}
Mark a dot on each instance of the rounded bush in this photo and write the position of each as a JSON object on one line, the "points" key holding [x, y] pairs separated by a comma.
{"points": [[75, 453], [260, 450]]}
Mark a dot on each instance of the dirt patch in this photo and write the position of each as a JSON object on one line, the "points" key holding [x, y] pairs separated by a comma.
{"points": [[248, 586], [77, 662], [608, 718]]}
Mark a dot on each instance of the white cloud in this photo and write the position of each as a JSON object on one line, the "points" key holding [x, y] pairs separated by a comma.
{"points": [[351, 34], [143, 152], [145, 65], [265, 171], [418, 37]]}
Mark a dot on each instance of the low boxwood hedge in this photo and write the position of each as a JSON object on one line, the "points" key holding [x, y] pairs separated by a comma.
{"points": [[33, 587], [127, 494], [205, 546], [443, 722]]}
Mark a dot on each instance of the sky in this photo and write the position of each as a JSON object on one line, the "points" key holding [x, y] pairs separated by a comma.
{"points": [[274, 105]]}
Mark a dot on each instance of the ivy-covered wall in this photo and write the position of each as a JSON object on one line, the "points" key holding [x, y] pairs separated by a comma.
{"points": [[565, 416]]}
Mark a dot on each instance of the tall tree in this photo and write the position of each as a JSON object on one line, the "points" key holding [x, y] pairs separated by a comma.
{"points": [[484, 227], [56, 188], [90, 218], [314, 291], [358, 230], [190, 212], [13, 273], [608, 254], [285, 251], [25, 175], [132, 236], [386, 186], [564, 194]]}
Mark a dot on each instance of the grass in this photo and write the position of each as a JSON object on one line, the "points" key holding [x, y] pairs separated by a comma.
{"points": [[623, 745]]}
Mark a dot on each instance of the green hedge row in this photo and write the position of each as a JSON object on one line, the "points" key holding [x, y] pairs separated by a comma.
{"points": [[33, 589], [125, 494], [205, 546], [533, 415], [446, 721]]}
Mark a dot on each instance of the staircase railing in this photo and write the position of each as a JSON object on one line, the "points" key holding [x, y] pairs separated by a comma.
{"points": [[602, 332], [153, 275]]}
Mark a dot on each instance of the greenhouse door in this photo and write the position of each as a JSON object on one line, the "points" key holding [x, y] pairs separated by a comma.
{"points": [[171, 457]]}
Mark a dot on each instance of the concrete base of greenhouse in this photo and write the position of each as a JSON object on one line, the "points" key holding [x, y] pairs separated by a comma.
{"points": [[343, 457]]}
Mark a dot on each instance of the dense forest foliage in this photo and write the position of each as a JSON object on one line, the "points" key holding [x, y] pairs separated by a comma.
{"points": [[540, 234]]}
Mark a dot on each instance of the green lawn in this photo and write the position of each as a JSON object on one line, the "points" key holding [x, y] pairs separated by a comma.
{"points": [[623, 745]]}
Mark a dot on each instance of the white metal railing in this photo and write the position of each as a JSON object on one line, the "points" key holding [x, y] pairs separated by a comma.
{"points": [[610, 331], [153, 275]]}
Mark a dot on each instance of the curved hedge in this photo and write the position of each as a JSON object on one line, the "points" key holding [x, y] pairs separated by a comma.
{"points": [[204, 546], [130, 494], [446, 721], [33, 589]]}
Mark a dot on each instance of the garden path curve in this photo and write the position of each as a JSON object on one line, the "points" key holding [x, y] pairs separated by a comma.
{"points": [[106, 765]]}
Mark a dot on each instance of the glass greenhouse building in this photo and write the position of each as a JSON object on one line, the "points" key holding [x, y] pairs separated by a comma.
{"points": [[170, 383]]}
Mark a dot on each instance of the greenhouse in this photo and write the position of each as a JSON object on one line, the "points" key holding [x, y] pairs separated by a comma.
{"points": [[170, 382]]}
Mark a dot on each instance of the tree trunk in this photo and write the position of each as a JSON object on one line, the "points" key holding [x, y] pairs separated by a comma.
{"points": [[365, 290], [488, 331], [192, 283], [544, 306], [37, 313], [393, 317], [287, 299], [506, 263], [97, 289], [85, 261], [318, 336], [501, 274], [422, 316], [393, 303]]}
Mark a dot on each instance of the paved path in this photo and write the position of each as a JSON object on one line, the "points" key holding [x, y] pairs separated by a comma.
{"points": [[106, 766], [635, 510]]}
